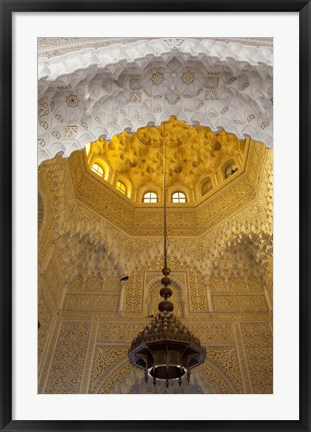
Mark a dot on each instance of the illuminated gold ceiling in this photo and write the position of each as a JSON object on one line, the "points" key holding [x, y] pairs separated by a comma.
{"points": [[195, 156], [195, 145]]}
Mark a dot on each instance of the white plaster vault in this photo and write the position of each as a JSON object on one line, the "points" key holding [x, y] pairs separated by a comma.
{"points": [[99, 91]]}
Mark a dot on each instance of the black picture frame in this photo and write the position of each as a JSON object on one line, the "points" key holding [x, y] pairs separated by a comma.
{"points": [[7, 10]]}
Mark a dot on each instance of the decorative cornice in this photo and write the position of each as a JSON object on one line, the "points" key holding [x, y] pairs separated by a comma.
{"points": [[125, 52], [54, 47]]}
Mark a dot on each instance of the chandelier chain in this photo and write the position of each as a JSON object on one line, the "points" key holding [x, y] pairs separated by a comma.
{"points": [[164, 198]]}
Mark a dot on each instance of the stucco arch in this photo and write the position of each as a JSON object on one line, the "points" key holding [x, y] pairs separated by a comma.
{"points": [[109, 54], [149, 81]]}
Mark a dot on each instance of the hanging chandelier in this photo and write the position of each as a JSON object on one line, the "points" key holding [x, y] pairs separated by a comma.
{"points": [[165, 349]]}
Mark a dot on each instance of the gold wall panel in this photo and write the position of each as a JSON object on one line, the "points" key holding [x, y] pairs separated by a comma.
{"points": [[257, 339], [227, 358], [240, 303], [105, 360], [118, 332], [213, 333], [68, 361], [92, 303]]}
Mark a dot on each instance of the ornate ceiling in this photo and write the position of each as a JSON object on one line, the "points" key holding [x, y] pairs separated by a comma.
{"points": [[95, 221], [103, 90], [197, 160], [116, 94]]}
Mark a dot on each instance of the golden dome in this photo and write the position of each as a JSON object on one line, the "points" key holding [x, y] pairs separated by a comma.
{"points": [[198, 160]]}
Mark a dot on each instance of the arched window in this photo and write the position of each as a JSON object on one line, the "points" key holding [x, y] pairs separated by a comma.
{"points": [[121, 187], [207, 186], [178, 197], [230, 170], [98, 170], [150, 197]]}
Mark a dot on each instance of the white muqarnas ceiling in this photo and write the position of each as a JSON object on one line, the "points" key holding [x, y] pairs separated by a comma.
{"points": [[97, 88]]}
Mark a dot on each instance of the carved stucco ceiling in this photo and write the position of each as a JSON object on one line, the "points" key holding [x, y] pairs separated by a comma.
{"points": [[92, 93], [194, 218], [194, 156], [97, 230]]}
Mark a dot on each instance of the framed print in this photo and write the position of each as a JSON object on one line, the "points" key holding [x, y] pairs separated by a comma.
{"points": [[155, 239]]}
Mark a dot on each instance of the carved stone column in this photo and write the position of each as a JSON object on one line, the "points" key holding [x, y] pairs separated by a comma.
{"points": [[247, 384], [210, 304], [50, 349], [86, 377]]}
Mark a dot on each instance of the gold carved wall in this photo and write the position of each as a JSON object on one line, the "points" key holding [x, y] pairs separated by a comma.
{"points": [[220, 253]]}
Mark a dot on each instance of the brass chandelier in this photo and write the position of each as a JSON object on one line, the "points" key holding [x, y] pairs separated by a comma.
{"points": [[165, 349]]}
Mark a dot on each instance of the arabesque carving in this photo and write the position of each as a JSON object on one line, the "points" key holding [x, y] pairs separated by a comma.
{"points": [[222, 270], [204, 81], [45, 316], [120, 332], [239, 303], [212, 333], [104, 362], [68, 361], [257, 340]]}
